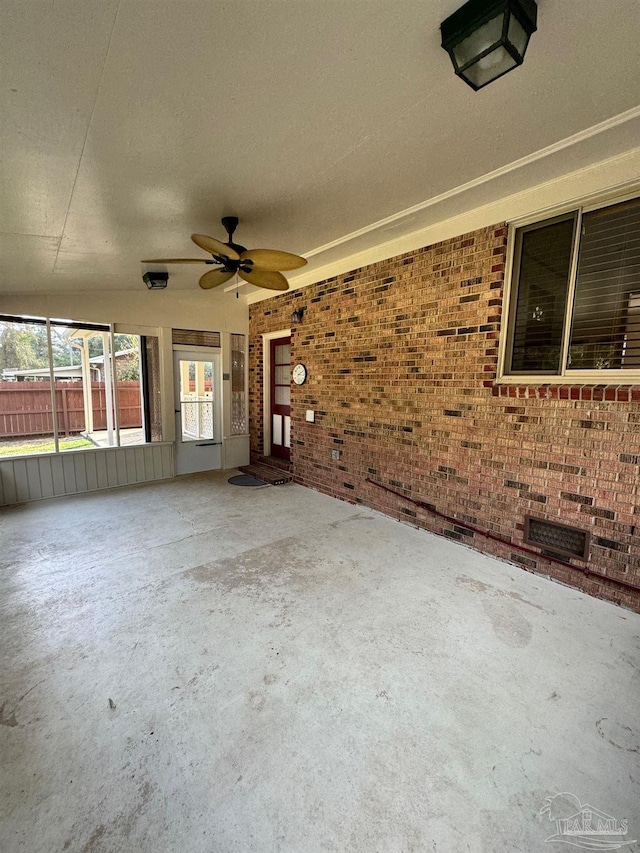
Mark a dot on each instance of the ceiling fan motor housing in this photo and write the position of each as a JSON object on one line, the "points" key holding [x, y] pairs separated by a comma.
{"points": [[230, 223]]}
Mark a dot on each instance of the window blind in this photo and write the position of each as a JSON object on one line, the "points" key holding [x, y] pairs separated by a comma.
{"points": [[605, 331]]}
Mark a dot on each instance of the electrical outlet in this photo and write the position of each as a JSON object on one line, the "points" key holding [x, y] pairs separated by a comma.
{"points": [[335, 454]]}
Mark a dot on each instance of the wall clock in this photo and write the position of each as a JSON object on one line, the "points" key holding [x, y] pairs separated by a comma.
{"points": [[299, 374]]}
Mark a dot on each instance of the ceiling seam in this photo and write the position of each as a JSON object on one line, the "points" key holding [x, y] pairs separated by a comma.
{"points": [[86, 136], [26, 234]]}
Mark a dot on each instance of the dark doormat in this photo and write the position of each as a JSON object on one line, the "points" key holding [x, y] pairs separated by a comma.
{"points": [[246, 480]]}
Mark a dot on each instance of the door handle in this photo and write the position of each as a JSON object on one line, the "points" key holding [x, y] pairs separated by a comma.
{"points": [[207, 443]]}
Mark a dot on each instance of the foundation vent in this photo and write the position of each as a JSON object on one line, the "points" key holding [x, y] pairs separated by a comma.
{"points": [[557, 538], [195, 338]]}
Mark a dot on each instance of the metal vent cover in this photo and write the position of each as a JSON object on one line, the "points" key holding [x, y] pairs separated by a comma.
{"points": [[195, 338], [557, 538]]}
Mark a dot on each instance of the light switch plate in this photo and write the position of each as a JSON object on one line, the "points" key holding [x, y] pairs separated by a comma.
{"points": [[311, 416]]}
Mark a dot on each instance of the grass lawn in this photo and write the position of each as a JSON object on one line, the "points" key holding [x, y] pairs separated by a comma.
{"points": [[44, 446]]}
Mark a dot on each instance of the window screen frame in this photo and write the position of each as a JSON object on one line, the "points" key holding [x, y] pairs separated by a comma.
{"points": [[111, 329], [565, 375]]}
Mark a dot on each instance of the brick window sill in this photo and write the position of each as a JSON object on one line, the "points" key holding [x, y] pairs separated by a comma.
{"points": [[592, 392]]}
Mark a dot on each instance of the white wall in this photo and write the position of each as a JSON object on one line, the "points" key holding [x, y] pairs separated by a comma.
{"points": [[180, 309]]}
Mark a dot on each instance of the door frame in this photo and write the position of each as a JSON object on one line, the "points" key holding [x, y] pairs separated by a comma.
{"points": [[267, 337], [280, 411], [213, 354]]}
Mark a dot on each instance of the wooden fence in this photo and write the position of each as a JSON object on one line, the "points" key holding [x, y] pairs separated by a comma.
{"points": [[25, 408]]}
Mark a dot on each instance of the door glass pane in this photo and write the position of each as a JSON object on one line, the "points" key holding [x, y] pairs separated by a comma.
{"points": [[282, 374], [282, 395], [283, 354], [277, 429], [196, 400]]}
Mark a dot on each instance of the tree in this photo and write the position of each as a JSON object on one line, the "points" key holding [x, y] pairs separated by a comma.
{"points": [[23, 345]]}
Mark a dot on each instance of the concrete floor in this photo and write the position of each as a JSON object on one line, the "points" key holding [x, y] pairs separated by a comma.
{"points": [[292, 673]]}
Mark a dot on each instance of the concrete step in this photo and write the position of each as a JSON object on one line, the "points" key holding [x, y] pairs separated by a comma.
{"points": [[273, 476], [275, 462]]}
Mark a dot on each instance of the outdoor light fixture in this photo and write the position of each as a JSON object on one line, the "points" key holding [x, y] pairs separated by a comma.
{"points": [[487, 38], [297, 315], [156, 280]]}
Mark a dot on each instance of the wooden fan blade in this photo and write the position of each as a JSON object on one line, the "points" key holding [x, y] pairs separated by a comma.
{"points": [[177, 261], [214, 277], [215, 247], [265, 278], [272, 259]]}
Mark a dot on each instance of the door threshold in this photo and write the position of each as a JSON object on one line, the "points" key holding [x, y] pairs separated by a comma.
{"points": [[276, 462]]}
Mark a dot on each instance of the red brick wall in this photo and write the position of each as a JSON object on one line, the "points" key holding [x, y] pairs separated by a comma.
{"points": [[402, 358]]}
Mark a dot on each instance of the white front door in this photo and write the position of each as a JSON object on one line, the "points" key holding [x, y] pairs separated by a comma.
{"points": [[197, 383]]}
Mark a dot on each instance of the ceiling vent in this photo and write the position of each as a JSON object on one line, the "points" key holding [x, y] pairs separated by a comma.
{"points": [[195, 338]]}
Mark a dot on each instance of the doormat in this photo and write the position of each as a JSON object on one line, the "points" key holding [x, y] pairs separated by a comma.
{"points": [[246, 480]]}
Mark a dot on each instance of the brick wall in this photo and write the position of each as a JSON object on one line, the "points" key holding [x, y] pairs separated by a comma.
{"points": [[402, 358]]}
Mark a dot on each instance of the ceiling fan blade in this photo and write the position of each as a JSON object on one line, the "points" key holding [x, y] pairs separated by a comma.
{"points": [[177, 261], [265, 278], [214, 277], [272, 259], [215, 247]]}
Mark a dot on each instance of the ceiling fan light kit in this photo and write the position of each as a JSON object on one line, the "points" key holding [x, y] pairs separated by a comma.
{"points": [[261, 267], [488, 38]]}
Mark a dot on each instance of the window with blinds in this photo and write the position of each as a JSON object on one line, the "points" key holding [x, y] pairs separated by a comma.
{"points": [[605, 329], [575, 297]]}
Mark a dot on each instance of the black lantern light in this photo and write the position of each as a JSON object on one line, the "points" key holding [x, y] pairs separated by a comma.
{"points": [[156, 280], [487, 38], [296, 315]]}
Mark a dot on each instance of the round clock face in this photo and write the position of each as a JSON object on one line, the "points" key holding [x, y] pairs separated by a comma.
{"points": [[299, 374]]}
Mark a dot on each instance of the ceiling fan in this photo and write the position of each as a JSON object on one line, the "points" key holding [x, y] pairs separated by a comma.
{"points": [[261, 267]]}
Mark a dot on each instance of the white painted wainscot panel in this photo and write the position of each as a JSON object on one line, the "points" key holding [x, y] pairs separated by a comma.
{"points": [[49, 475]]}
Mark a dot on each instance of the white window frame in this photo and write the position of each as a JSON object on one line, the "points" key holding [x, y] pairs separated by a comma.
{"points": [[111, 329], [564, 377]]}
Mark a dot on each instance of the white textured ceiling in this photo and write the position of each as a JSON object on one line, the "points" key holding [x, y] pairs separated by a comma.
{"points": [[127, 125]]}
